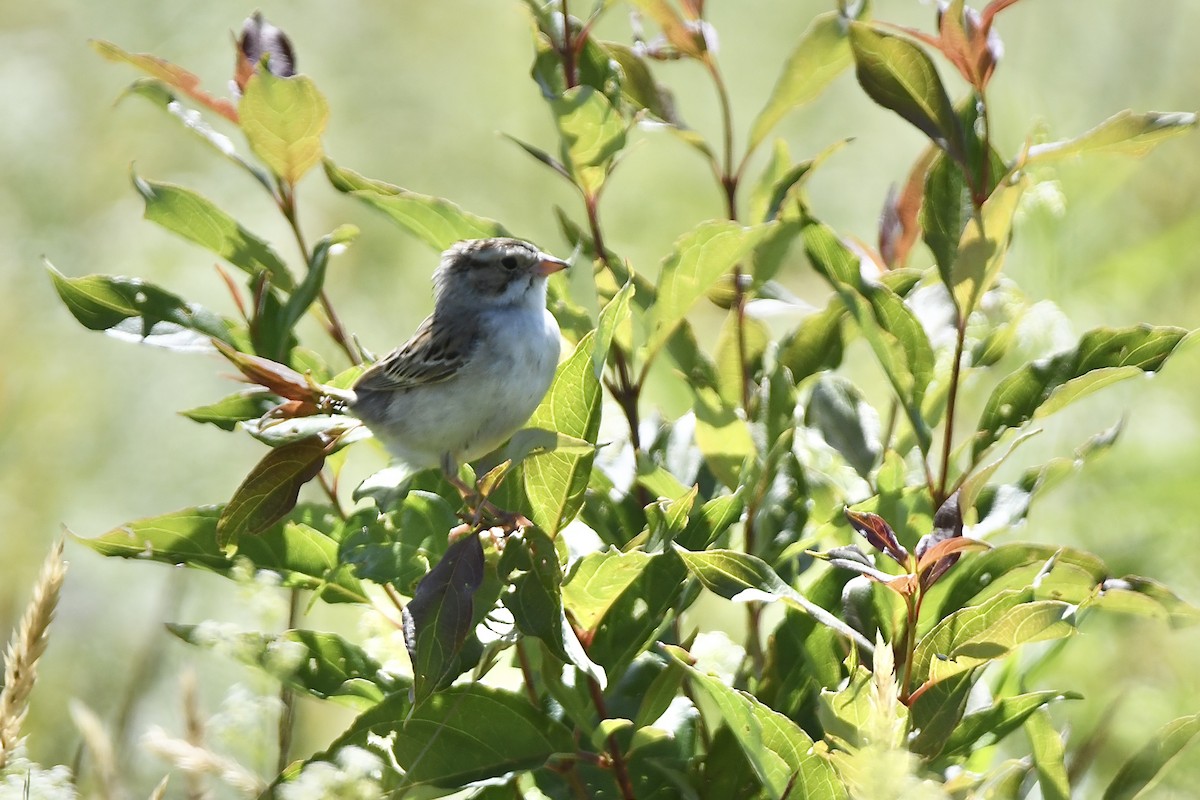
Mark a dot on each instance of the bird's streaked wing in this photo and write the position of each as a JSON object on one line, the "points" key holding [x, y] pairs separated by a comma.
{"points": [[433, 354]]}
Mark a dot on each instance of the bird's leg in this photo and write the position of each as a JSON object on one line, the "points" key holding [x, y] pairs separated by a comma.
{"points": [[478, 504]]}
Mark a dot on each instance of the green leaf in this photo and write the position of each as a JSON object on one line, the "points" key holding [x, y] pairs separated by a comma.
{"points": [[945, 211], [283, 119], [722, 435], [713, 519], [597, 581], [638, 615], [895, 335], [592, 132], [1049, 756], [228, 412], [816, 344], [846, 712], [195, 218], [131, 309], [698, 260], [303, 556], [536, 602], [668, 518], [269, 492], [555, 481], [1125, 133], [1132, 594], [901, 77], [310, 288], [322, 664], [937, 711], [1066, 574], [437, 222], [971, 487], [398, 547], [637, 82], [977, 634], [983, 246], [440, 742], [782, 755], [746, 578], [612, 317], [846, 421], [439, 618], [1141, 772], [1102, 357], [987, 726], [821, 54]]}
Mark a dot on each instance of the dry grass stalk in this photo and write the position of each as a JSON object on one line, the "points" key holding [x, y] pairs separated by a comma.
{"points": [[160, 791], [25, 648], [194, 725], [200, 761], [100, 745]]}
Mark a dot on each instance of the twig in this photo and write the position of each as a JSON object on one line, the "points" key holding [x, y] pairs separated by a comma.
{"points": [[620, 770], [951, 403], [287, 697]]}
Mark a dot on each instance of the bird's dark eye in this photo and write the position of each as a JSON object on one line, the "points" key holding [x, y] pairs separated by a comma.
{"points": [[509, 262]]}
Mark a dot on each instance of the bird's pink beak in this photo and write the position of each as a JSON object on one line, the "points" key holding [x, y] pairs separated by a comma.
{"points": [[548, 265]]}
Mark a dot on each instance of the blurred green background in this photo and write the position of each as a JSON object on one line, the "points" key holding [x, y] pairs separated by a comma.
{"points": [[89, 437]]}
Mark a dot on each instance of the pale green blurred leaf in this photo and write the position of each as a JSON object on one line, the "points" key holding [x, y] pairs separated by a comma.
{"points": [[1141, 772], [722, 436], [322, 664], [283, 119], [846, 421], [437, 222], [592, 131], [1049, 756], [983, 246], [987, 726], [821, 54], [1124, 133]]}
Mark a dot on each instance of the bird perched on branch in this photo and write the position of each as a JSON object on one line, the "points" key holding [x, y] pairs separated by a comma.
{"points": [[476, 368]]}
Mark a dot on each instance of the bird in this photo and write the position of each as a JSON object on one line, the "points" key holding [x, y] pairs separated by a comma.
{"points": [[476, 368]]}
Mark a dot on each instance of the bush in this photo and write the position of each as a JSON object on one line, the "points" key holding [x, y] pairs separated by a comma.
{"points": [[880, 671]]}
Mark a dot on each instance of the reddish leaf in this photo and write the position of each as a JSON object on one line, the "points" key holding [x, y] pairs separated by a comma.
{"points": [[878, 533], [899, 225], [279, 378], [174, 76], [948, 547], [438, 620]]}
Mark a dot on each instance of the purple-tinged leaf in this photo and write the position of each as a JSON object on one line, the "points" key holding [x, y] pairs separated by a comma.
{"points": [[439, 618]]}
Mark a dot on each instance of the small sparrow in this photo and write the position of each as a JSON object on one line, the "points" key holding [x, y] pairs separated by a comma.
{"points": [[476, 368]]}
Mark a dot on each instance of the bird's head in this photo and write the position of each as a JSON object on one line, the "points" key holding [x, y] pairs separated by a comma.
{"points": [[495, 272]]}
